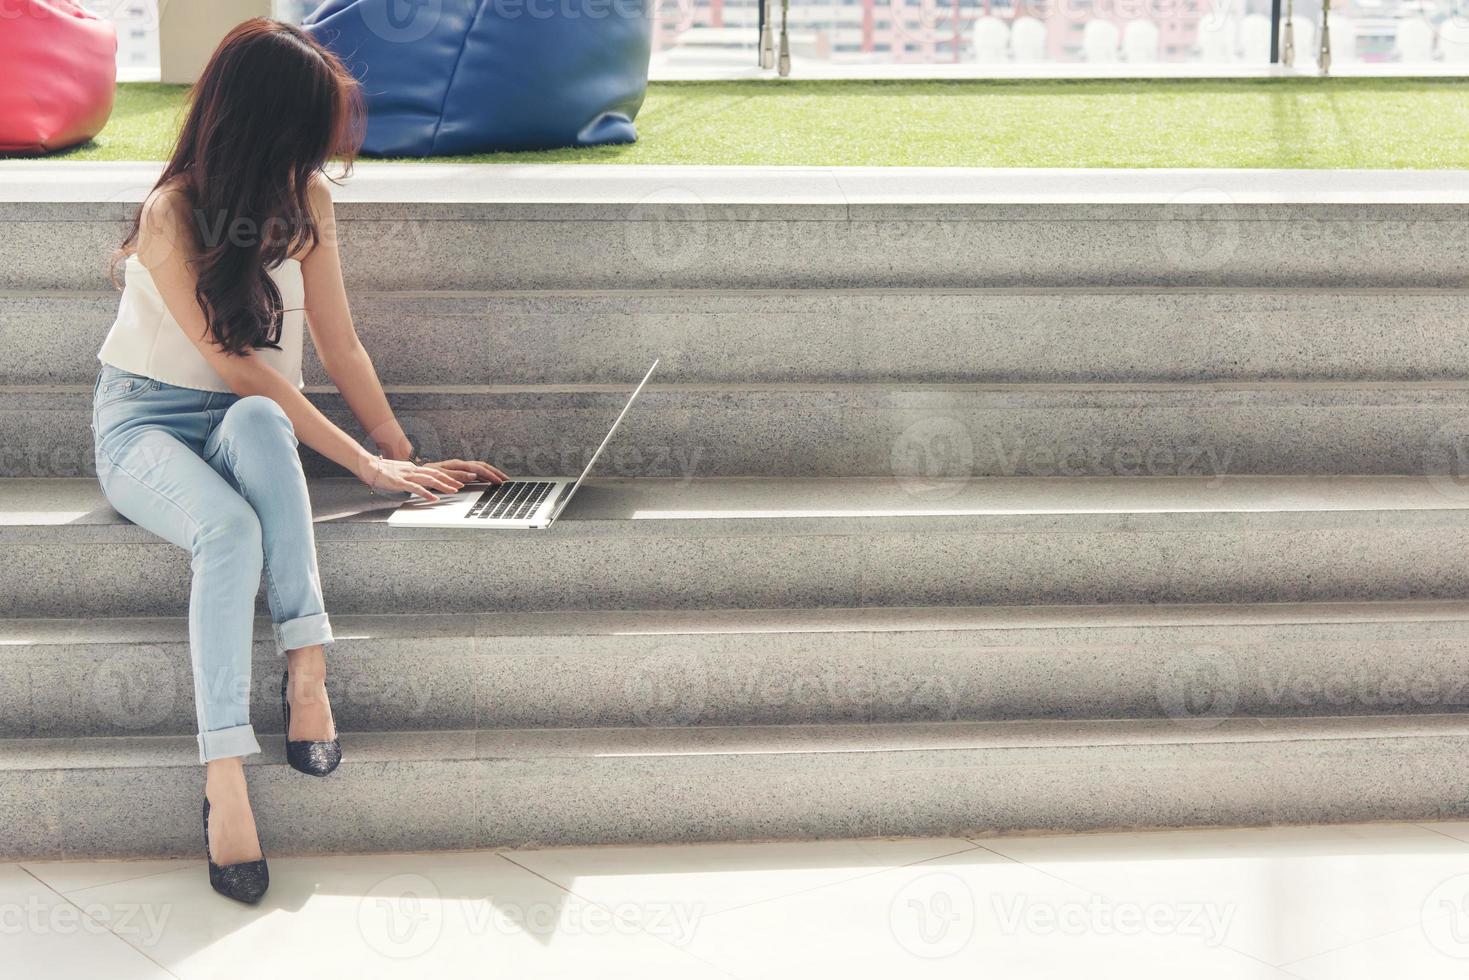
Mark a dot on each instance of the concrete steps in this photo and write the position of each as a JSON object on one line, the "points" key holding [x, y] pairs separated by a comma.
{"points": [[419, 791], [907, 337], [569, 227], [671, 544], [948, 431], [1201, 322], [966, 502], [67, 678]]}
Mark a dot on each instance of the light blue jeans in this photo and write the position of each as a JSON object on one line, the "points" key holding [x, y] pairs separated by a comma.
{"points": [[216, 474]]}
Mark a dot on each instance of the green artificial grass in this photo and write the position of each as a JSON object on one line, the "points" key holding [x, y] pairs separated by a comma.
{"points": [[1309, 122]]}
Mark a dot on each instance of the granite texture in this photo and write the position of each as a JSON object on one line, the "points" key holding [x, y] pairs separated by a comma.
{"points": [[823, 336], [499, 789], [108, 677], [1158, 618], [689, 243], [436, 227], [815, 543], [914, 433], [41, 182], [619, 227], [61, 510]]}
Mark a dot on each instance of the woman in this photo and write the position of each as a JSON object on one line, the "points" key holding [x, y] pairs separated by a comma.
{"points": [[198, 406]]}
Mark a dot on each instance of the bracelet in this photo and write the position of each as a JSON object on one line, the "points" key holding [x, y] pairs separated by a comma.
{"points": [[372, 487]]}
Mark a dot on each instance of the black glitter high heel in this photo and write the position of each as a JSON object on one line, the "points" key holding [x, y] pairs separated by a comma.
{"points": [[312, 758], [244, 882]]}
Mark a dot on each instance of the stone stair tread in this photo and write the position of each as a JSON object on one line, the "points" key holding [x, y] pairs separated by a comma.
{"points": [[741, 543], [852, 430], [1158, 679], [903, 337], [125, 630], [435, 226], [811, 504], [694, 186], [871, 392], [757, 741]]}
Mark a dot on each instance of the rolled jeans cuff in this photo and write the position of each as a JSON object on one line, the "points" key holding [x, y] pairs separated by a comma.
{"points": [[226, 743], [306, 631]]}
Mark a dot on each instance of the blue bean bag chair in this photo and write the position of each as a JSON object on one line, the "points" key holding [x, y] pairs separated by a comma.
{"points": [[472, 76]]}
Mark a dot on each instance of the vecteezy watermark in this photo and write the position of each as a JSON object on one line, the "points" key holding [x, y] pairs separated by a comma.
{"points": [[364, 689], [933, 458], [1445, 917], [215, 227], [137, 690], [1199, 687], [1207, 922], [936, 915], [51, 460], [1421, 688], [401, 917], [674, 922], [626, 460], [404, 916], [140, 923], [1446, 459], [1203, 686], [668, 687], [402, 21], [667, 230], [676, 686], [1097, 459], [547, 460], [407, 21], [130, 13], [1198, 230], [935, 20], [933, 916]]}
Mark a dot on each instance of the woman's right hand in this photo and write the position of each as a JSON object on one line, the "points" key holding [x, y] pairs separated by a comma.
{"points": [[401, 476]]}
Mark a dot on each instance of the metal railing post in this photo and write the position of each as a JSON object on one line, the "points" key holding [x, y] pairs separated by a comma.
{"points": [[1275, 32], [1324, 55], [784, 67], [767, 38]]}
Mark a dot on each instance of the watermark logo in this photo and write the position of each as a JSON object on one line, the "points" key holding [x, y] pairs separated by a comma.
{"points": [[1446, 460], [668, 687], [933, 916], [401, 917], [141, 924], [1199, 230], [1199, 687], [1207, 922], [933, 457], [674, 922], [668, 230], [422, 433], [138, 691], [1445, 917], [402, 21]]}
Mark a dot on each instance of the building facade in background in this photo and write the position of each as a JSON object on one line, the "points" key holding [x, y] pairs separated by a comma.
{"points": [[720, 35]]}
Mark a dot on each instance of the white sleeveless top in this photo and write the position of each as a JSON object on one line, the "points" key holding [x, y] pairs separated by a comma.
{"points": [[145, 338]]}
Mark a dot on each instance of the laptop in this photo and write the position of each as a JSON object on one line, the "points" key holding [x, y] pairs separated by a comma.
{"points": [[513, 504]]}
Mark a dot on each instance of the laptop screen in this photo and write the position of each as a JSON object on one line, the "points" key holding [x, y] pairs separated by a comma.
{"points": [[566, 498]]}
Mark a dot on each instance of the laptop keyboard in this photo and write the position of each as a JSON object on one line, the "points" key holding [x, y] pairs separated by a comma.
{"points": [[513, 500]]}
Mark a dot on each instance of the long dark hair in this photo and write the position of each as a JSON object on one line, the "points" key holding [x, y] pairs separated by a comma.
{"points": [[269, 112]]}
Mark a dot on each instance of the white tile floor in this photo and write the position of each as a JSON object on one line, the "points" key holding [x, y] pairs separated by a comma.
{"points": [[1388, 901]]}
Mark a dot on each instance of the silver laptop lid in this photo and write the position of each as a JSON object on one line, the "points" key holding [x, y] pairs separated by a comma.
{"points": [[566, 497]]}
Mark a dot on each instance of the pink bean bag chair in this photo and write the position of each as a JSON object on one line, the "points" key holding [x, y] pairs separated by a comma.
{"points": [[58, 72]]}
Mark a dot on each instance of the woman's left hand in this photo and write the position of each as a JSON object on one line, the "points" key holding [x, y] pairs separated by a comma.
{"points": [[468, 471]]}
